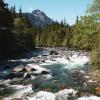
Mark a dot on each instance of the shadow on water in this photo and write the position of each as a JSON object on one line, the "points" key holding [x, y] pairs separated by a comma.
{"points": [[23, 59]]}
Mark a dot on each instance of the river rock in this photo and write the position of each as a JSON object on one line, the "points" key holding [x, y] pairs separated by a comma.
{"points": [[77, 73], [17, 72], [33, 69], [34, 86], [21, 72], [18, 68], [66, 94], [53, 52], [38, 68], [59, 97]]}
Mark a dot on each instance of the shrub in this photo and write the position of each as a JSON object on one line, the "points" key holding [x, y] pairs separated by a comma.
{"points": [[95, 56]]}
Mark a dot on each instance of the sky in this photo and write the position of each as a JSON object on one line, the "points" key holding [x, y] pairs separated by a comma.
{"points": [[55, 9]]}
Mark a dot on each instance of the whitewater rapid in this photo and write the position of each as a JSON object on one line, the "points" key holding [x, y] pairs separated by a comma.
{"points": [[73, 62]]}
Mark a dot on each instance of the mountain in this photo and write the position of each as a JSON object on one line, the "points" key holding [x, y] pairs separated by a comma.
{"points": [[38, 18]]}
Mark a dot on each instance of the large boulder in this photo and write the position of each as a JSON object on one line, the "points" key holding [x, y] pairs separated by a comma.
{"points": [[22, 68], [37, 69], [28, 69]]}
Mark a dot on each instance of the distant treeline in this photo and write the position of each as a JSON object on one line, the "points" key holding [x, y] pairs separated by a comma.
{"points": [[18, 35]]}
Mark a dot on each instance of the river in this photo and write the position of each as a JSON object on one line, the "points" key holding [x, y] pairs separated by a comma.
{"points": [[65, 69]]}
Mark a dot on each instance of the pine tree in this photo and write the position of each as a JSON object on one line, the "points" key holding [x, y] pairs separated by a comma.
{"points": [[20, 12], [13, 11]]}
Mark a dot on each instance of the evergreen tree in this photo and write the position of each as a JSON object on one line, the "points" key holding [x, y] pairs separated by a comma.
{"points": [[13, 11], [20, 12]]}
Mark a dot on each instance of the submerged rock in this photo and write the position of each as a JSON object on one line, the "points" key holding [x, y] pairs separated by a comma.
{"points": [[76, 73]]}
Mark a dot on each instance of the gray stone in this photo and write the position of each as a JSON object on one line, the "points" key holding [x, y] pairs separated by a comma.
{"points": [[18, 68], [60, 97]]}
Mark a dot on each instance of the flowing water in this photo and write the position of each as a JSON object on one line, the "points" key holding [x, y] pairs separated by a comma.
{"points": [[62, 77], [63, 73]]}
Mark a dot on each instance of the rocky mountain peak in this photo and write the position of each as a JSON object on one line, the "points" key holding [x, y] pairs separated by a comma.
{"points": [[38, 12], [39, 18]]}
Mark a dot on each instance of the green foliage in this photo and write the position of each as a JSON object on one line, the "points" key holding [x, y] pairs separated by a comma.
{"points": [[65, 42], [95, 56], [37, 40], [94, 8], [94, 11], [23, 34], [52, 35]]}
